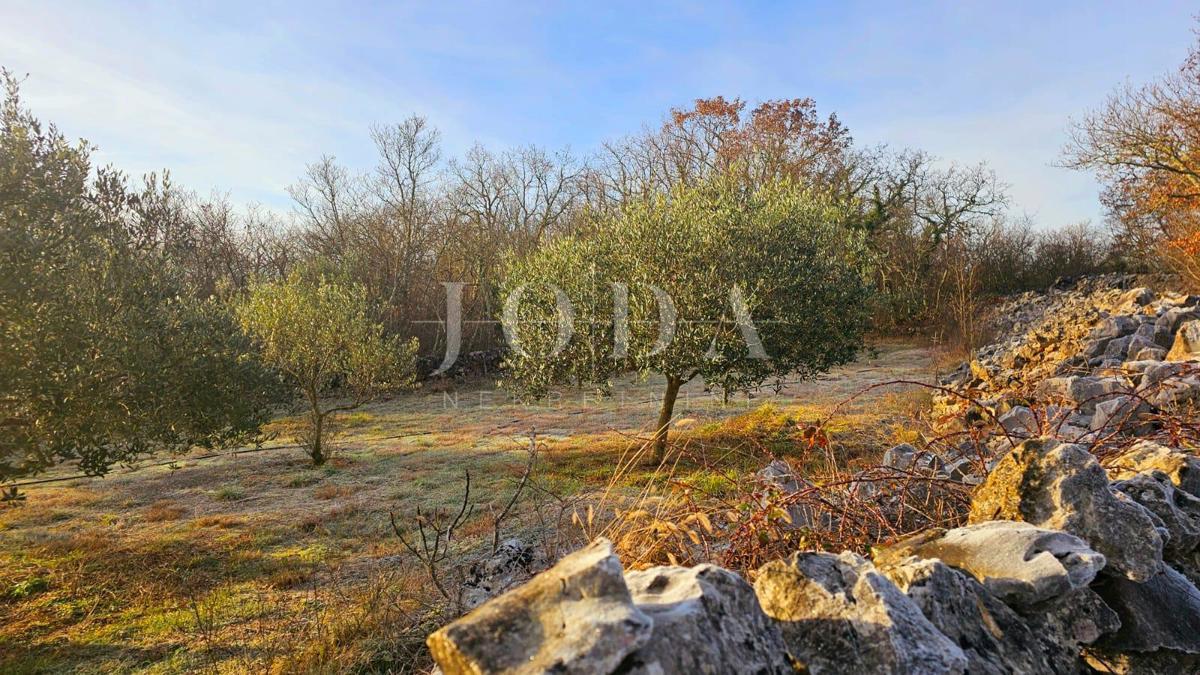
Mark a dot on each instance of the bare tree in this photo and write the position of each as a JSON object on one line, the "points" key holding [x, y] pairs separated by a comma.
{"points": [[328, 199]]}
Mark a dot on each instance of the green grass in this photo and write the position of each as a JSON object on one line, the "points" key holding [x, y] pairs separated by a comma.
{"points": [[229, 493], [28, 588], [302, 479]]}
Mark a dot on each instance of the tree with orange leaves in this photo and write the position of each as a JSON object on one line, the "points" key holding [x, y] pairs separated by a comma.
{"points": [[1144, 145], [777, 139]]}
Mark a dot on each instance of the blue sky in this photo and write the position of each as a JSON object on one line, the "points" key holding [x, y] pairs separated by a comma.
{"points": [[239, 96]]}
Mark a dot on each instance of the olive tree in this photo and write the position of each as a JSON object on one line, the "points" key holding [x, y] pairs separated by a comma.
{"points": [[721, 282], [317, 331], [105, 355]]}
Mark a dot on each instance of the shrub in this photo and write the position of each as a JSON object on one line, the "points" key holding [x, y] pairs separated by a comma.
{"points": [[229, 493], [316, 330]]}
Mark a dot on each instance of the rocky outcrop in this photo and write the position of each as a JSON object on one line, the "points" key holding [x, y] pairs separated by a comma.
{"points": [[1186, 346], [1083, 346], [1065, 563], [993, 637], [1162, 613], [1182, 468], [1073, 620], [1082, 392], [708, 607], [1177, 511], [1075, 569], [585, 615], [778, 482], [1038, 576], [511, 564]]}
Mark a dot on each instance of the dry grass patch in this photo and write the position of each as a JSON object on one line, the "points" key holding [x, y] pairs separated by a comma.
{"points": [[220, 520], [333, 491], [163, 511]]}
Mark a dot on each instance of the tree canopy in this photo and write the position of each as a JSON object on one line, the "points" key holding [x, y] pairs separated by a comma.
{"points": [[104, 355], [1142, 143], [317, 331], [728, 283]]}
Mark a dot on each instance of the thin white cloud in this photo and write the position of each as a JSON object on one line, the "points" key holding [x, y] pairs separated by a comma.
{"points": [[149, 105], [240, 97]]}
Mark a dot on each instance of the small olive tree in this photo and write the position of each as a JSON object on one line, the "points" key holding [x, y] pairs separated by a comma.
{"points": [[719, 281], [318, 333]]}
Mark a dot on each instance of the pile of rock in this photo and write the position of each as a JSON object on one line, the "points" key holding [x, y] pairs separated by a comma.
{"points": [[1059, 570], [1096, 363], [1099, 353], [1099, 323]]}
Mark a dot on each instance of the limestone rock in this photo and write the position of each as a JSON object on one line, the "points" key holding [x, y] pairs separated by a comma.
{"points": [[1148, 353], [1178, 510], [1061, 486], [1161, 613], [575, 617], [1115, 327], [1020, 421], [1137, 297], [1168, 324], [1178, 299], [1142, 340], [1187, 342], [1117, 349], [839, 614], [1181, 467], [1080, 617], [1160, 371], [900, 456], [906, 457], [513, 563], [1161, 662], [1127, 414], [706, 620], [1176, 393], [994, 638], [1083, 392], [1145, 330], [1019, 563], [979, 371], [964, 470], [779, 480]]}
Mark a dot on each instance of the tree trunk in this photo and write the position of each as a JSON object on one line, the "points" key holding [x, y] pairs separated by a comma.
{"points": [[664, 418], [316, 451]]}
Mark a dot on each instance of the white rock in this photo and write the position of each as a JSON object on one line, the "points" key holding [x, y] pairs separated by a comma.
{"points": [[1021, 564]]}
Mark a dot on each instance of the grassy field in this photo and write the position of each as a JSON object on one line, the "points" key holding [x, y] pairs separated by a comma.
{"points": [[258, 561]]}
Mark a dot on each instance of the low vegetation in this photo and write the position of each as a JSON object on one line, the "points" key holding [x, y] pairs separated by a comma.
{"points": [[262, 562]]}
